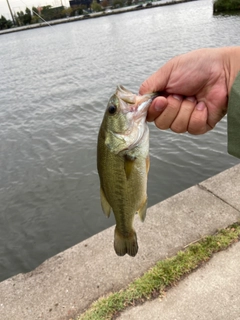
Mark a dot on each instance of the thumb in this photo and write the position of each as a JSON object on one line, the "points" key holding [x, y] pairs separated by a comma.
{"points": [[157, 82]]}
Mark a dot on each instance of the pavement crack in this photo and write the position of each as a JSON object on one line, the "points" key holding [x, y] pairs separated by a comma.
{"points": [[215, 195]]}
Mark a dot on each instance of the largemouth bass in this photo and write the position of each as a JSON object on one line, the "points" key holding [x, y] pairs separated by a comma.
{"points": [[123, 164]]}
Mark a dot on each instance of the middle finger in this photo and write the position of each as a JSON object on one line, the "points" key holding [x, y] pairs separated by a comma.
{"points": [[180, 123], [166, 118]]}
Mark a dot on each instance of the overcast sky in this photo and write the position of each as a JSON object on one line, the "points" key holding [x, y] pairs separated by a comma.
{"points": [[18, 5]]}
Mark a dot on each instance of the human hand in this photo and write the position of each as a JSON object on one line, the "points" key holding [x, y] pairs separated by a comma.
{"points": [[195, 89]]}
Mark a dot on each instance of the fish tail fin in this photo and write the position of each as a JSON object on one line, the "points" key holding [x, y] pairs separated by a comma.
{"points": [[123, 245]]}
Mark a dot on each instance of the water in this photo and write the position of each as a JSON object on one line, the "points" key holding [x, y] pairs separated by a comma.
{"points": [[55, 83]]}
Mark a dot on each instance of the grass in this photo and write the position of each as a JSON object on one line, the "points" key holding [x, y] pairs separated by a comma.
{"points": [[163, 275], [226, 5]]}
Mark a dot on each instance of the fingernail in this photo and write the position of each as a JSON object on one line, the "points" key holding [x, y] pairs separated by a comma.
{"points": [[159, 107], [159, 104], [200, 106], [192, 99], [177, 96]]}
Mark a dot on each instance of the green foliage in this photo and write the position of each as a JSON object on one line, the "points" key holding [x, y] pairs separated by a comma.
{"points": [[22, 18], [164, 274], [27, 17], [34, 11], [118, 3], [35, 17], [19, 18], [96, 6], [4, 23], [226, 5], [49, 13]]}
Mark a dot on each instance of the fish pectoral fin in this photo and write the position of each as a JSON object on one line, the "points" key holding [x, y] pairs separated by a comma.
{"points": [[104, 203], [143, 210], [128, 165]]}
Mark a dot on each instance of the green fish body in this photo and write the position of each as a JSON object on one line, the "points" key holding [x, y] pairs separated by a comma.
{"points": [[123, 164]]}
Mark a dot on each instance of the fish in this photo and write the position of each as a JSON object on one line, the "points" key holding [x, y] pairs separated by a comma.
{"points": [[123, 164]]}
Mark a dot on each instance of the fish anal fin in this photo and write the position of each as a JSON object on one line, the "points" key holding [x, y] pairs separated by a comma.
{"points": [[143, 210], [128, 165], [104, 203], [128, 244]]}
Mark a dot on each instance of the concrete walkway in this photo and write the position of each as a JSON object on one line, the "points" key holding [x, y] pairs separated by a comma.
{"points": [[69, 282]]}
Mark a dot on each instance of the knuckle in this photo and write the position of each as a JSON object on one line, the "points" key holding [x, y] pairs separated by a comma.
{"points": [[173, 107], [197, 126], [161, 125], [178, 128], [198, 123], [144, 85], [197, 131]]}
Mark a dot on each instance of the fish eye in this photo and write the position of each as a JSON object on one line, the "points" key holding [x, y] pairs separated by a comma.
{"points": [[112, 109]]}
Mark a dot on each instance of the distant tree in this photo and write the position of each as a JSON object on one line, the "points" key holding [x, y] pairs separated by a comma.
{"points": [[35, 15], [49, 13], [35, 11], [27, 17], [45, 12], [20, 18], [4, 23], [118, 3], [24, 18], [96, 6]]}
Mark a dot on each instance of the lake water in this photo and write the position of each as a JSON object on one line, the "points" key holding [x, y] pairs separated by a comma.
{"points": [[55, 83]]}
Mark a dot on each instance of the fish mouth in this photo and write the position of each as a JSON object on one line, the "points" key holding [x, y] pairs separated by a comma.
{"points": [[125, 95], [135, 108], [134, 103]]}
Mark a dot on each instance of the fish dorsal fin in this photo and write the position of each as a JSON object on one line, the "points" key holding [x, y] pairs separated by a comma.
{"points": [[128, 165], [143, 210], [104, 203]]}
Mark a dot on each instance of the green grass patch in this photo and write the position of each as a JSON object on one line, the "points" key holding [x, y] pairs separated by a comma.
{"points": [[163, 275], [226, 5]]}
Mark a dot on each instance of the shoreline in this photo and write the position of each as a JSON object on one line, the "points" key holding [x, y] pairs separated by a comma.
{"points": [[92, 16]]}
